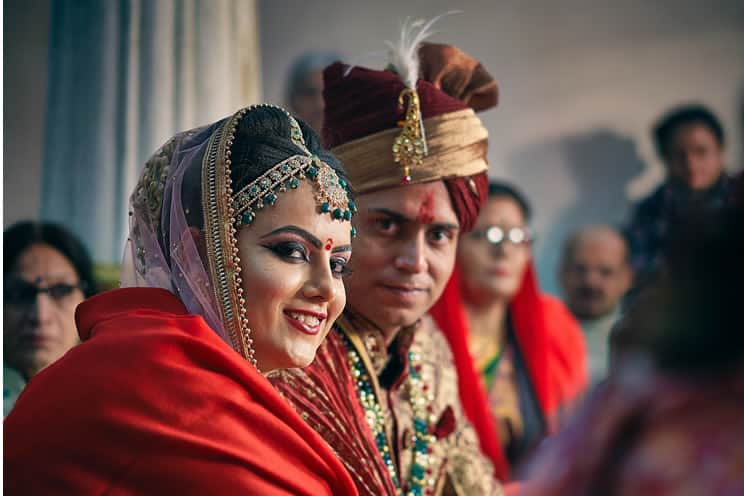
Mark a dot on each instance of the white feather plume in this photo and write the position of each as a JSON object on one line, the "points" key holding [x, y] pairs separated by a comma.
{"points": [[403, 55]]}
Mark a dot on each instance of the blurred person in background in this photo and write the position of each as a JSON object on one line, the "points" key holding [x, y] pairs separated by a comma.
{"points": [[595, 273], [47, 273], [520, 354], [690, 141], [669, 419], [304, 91]]}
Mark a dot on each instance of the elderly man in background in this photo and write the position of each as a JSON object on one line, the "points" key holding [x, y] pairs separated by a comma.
{"points": [[304, 91], [595, 273]]}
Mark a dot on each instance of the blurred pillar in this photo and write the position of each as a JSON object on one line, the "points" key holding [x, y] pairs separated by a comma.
{"points": [[124, 76], [25, 67]]}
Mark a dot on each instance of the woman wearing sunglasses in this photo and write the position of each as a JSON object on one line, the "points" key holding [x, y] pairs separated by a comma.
{"points": [[47, 273], [520, 354]]}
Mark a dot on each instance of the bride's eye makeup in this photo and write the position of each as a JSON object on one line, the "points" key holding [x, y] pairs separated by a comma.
{"points": [[295, 245], [291, 251], [340, 267]]}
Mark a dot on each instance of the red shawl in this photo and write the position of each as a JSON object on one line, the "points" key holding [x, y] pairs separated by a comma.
{"points": [[548, 337], [154, 402]]}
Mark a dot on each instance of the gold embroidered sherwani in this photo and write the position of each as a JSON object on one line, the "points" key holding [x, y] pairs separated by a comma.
{"points": [[455, 464]]}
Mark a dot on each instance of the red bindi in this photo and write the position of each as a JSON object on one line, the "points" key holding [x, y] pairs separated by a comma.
{"points": [[426, 210], [329, 244]]}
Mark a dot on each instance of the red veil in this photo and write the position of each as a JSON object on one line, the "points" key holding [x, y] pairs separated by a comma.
{"points": [[548, 337]]}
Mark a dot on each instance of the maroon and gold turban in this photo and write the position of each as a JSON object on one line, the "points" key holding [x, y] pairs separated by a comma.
{"points": [[363, 118]]}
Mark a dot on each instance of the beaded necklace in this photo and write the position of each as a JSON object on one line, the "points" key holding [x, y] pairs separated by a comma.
{"points": [[420, 481]]}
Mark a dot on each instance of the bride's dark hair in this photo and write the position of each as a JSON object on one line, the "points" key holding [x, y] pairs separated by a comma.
{"points": [[262, 140]]}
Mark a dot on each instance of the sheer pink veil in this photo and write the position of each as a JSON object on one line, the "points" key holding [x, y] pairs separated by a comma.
{"points": [[166, 247]]}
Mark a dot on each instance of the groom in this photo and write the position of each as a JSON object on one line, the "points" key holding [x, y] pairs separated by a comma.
{"points": [[383, 388]]}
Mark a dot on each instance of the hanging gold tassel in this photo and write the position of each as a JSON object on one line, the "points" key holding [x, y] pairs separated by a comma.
{"points": [[409, 148]]}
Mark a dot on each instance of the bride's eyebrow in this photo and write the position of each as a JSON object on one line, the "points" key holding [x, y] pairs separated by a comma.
{"points": [[297, 231]]}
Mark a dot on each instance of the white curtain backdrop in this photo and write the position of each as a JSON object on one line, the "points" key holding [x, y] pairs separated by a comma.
{"points": [[124, 76]]}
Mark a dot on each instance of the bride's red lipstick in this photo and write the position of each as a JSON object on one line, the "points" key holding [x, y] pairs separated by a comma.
{"points": [[302, 326]]}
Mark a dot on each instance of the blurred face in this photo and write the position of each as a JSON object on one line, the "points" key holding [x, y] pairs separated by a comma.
{"points": [[39, 309], [596, 275], [293, 260], [494, 256], [405, 252], [307, 100], [694, 157]]}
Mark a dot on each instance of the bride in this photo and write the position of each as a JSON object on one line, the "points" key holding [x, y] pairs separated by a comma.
{"points": [[239, 241]]}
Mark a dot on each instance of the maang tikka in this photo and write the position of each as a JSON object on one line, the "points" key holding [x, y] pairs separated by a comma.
{"points": [[331, 192]]}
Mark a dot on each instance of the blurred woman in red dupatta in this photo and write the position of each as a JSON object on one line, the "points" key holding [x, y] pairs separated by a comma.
{"points": [[226, 277], [520, 355]]}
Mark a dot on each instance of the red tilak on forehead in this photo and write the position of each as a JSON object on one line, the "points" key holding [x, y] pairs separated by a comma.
{"points": [[329, 244], [426, 210]]}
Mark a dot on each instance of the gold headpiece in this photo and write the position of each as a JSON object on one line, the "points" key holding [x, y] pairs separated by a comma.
{"points": [[332, 192], [457, 143], [410, 147]]}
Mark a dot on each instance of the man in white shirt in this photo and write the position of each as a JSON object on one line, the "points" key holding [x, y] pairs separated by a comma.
{"points": [[595, 273]]}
